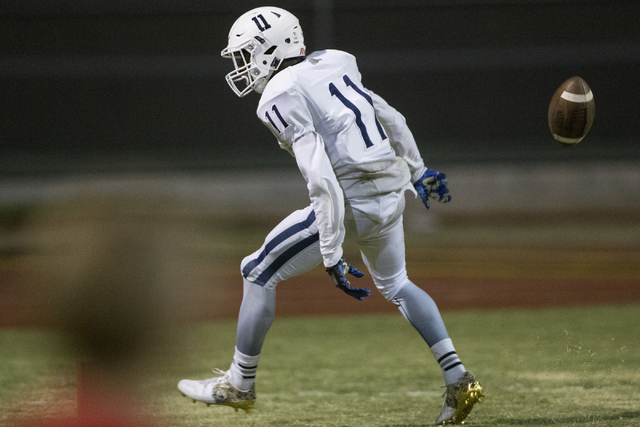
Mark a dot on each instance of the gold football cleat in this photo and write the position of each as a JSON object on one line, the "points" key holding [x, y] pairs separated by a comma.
{"points": [[460, 398]]}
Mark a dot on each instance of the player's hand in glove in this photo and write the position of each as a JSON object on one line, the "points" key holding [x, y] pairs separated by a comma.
{"points": [[338, 273], [433, 184]]}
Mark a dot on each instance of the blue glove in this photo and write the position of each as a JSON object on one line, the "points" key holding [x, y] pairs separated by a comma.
{"points": [[338, 273], [432, 184]]}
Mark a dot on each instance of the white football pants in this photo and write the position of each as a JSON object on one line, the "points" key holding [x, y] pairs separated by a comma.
{"points": [[292, 248], [374, 224]]}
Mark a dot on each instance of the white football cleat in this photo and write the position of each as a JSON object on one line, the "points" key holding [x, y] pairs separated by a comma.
{"points": [[219, 391], [461, 396]]}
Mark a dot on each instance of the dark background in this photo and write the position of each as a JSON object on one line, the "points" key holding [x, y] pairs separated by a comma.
{"points": [[121, 86]]}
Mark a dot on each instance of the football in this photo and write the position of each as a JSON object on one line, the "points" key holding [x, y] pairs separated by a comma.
{"points": [[571, 111]]}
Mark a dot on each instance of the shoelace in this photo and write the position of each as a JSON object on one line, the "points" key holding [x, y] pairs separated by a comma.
{"points": [[221, 374]]}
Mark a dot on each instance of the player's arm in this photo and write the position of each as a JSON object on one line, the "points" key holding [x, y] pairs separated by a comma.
{"points": [[400, 136], [325, 194], [428, 183], [328, 203]]}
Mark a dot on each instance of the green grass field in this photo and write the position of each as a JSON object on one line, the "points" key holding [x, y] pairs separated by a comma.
{"points": [[564, 366], [552, 366]]}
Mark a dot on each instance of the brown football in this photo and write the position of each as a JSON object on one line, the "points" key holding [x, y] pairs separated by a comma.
{"points": [[571, 111]]}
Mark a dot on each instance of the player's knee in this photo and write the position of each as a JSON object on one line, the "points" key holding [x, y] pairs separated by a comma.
{"points": [[243, 264], [390, 287], [248, 269], [408, 288]]}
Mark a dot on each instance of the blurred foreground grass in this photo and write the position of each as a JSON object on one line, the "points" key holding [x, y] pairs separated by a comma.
{"points": [[565, 366]]}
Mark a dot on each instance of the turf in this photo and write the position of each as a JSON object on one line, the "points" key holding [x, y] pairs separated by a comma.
{"points": [[562, 366]]}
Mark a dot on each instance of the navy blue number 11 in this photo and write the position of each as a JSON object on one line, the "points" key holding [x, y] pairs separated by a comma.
{"points": [[363, 129], [282, 120]]}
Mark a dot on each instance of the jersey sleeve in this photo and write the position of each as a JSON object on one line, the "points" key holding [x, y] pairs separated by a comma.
{"points": [[325, 193], [400, 136], [287, 115]]}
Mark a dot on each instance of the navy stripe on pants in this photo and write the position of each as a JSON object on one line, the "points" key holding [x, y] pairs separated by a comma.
{"points": [[287, 255]]}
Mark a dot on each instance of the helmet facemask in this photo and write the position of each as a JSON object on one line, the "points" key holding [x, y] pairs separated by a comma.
{"points": [[245, 72]]}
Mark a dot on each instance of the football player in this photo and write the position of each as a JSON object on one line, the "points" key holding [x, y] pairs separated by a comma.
{"points": [[358, 158]]}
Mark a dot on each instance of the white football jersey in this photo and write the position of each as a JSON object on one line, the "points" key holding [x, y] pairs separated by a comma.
{"points": [[347, 141]]}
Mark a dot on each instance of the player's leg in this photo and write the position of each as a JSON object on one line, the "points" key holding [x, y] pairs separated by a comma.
{"points": [[463, 390], [383, 251], [256, 315], [290, 249], [381, 242]]}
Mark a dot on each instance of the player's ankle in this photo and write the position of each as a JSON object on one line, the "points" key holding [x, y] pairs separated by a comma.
{"points": [[243, 370]]}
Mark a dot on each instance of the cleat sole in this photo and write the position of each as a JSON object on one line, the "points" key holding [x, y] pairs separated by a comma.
{"points": [[246, 406]]}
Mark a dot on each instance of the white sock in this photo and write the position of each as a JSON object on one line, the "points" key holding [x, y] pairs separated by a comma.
{"points": [[445, 354], [243, 370]]}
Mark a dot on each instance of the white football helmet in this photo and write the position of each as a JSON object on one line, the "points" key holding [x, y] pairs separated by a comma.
{"points": [[258, 42]]}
